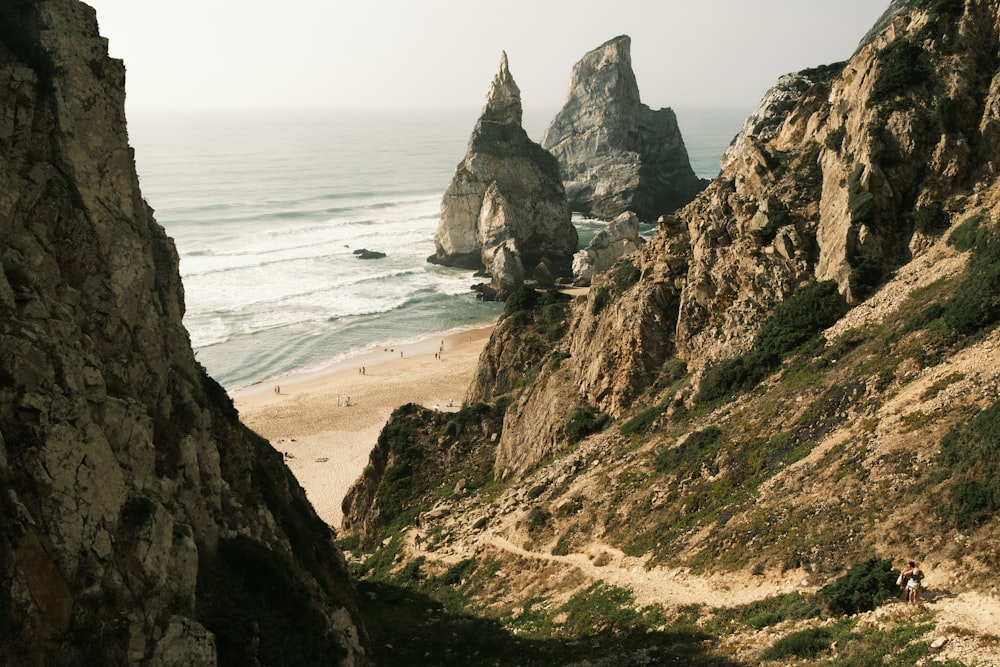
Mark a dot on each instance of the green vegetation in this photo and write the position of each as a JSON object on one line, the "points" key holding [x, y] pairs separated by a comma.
{"points": [[694, 448], [975, 306], [972, 453], [624, 274], [641, 423], [865, 586], [583, 421], [808, 643], [903, 67], [800, 317], [808, 310]]}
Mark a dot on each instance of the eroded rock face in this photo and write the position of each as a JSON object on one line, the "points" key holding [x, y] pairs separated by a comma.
{"points": [[135, 507], [617, 154], [839, 176], [505, 193], [619, 238]]}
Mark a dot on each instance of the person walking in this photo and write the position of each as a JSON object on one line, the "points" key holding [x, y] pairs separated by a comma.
{"points": [[914, 585]]}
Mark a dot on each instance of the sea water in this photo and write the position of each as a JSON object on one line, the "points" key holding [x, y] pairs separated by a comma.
{"points": [[267, 211]]}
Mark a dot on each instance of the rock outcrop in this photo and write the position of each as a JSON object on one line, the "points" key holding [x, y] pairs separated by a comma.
{"points": [[616, 154], [618, 238], [506, 193], [844, 174], [140, 522]]}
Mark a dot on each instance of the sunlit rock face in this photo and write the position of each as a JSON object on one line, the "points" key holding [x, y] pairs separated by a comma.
{"points": [[507, 193], [616, 154]]}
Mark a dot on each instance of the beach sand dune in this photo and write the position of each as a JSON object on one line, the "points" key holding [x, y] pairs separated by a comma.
{"points": [[326, 423]]}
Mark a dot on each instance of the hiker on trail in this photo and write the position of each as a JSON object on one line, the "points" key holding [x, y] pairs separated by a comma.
{"points": [[910, 580]]}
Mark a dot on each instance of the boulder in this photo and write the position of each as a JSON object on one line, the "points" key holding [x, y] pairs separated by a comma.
{"points": [[619, 238], [616, 154], [507, 188], [364, 253]]}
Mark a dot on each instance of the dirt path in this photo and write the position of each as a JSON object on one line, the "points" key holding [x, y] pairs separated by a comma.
{"points": [[967, 623]]}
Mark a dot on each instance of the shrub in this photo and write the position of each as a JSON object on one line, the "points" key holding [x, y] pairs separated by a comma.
{"points": [[602, 297], [624, 274], [835, 138], [964, 236], [584, 421], [693, 448], [860, 202], [976, 303], [930, 219], [902, 67], [639, 424], [735, 376], [809, 310], [862, 588], [809, 643], [972, 452]]}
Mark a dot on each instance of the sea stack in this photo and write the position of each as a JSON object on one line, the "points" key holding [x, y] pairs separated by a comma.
{"points": [[505, 210], [617, 154]]}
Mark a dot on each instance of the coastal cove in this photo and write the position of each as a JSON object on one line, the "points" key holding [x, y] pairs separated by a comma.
{"points": [[267, 210]]}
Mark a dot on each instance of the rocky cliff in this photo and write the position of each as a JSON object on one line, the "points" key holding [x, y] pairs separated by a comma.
{"points": [[505, 209], [141, 523], [797, 373], [615, 153]]}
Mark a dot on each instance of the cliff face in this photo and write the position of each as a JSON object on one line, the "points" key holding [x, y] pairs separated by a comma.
{"points": [[797, 376], [846, 173], [142, 523], [616, 154], [505, 208]]}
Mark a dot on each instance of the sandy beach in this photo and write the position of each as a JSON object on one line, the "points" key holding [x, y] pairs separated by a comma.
{"points": [[327, 422]]}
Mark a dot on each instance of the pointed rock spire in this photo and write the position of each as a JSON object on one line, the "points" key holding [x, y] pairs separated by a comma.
{"points": [[508, 193], [503, 100], [616, 154]]}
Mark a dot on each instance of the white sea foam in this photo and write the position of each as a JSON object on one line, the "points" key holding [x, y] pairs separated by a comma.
{"points": [[267, 212]]}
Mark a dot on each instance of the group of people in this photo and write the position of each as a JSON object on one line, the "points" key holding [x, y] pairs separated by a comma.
{"points": [[910, 580]]}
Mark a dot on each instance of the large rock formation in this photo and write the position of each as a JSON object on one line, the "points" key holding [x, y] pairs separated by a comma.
{"points": [[617, 154], [140, 522], [845, 173], [618, 238], [506, 193]]}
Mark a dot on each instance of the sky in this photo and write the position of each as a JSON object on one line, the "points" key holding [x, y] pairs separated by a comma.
{"points": [[199, 55]]}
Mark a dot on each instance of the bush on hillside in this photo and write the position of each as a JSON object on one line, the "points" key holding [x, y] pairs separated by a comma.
{"points": [[864, 587], [903, 67], [972, 453], [809, 310]]}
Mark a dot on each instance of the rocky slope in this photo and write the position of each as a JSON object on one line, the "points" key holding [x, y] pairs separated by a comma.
{"points": [[797, 373], [505, 209], [615, 153], [141, 523]]}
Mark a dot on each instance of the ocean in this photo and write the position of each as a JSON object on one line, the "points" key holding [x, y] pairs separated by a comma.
{"points": [[267, 211]]}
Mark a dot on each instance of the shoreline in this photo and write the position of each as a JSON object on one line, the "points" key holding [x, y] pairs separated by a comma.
{"points": [[326, 422]]}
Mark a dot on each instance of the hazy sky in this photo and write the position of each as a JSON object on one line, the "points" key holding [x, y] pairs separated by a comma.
{"points": [[324, 54]]}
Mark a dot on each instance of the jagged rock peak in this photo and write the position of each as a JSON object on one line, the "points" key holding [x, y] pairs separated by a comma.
{"points": [[503, 100], [507, 191], [615, 153], [606, 72]]}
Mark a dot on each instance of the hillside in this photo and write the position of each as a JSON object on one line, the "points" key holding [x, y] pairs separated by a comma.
{"points": [[784, 396]]}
